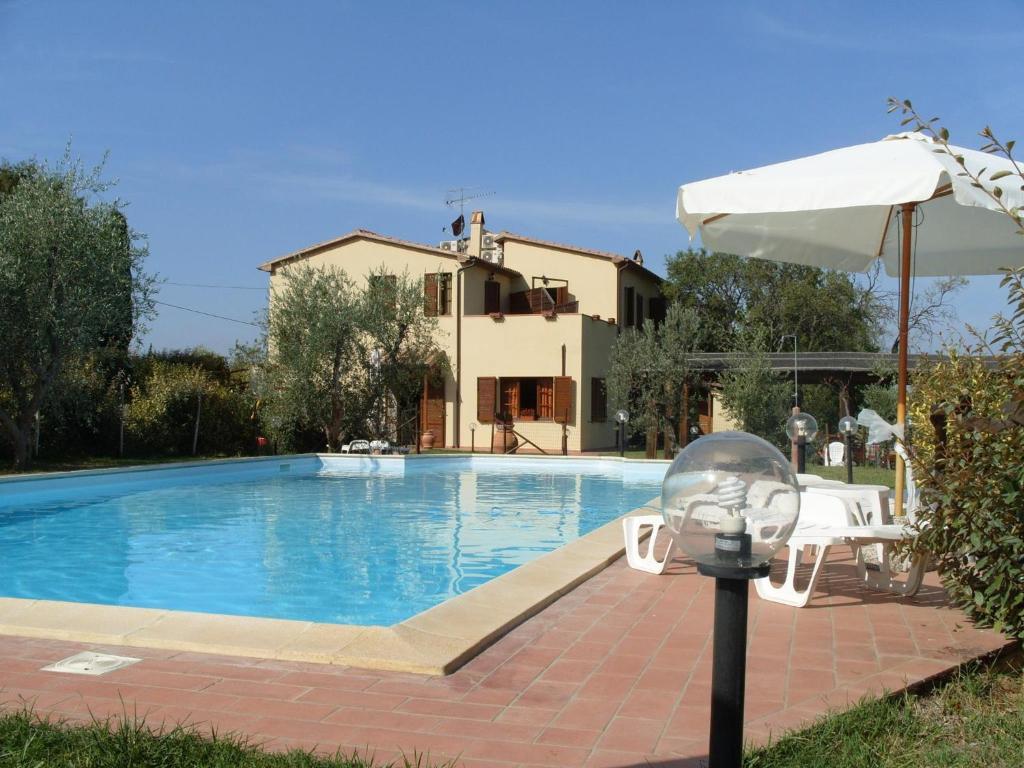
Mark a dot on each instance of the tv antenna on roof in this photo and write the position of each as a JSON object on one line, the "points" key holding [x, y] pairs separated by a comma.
{"points": [[459, 197]]}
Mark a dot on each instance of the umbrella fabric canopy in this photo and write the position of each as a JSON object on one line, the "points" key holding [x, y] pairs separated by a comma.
{"points": [[847, 208], [836, 210]]}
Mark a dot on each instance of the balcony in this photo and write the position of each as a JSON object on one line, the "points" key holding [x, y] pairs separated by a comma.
{"points": [[542, 301]]}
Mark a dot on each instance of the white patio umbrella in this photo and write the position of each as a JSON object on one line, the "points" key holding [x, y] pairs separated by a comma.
{"points": [[901, 200]]}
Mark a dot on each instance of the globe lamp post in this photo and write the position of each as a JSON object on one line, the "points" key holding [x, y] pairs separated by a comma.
{"points": [[730, 501], [801, 429], [621, 418], [848, 428]]}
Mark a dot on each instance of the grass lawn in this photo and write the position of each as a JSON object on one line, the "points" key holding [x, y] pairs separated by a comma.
{"points": [[867, 475], [103, 462], [976, 719]]}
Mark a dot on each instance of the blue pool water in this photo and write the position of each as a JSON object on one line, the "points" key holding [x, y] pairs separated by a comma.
{"points": [[330, 540]]}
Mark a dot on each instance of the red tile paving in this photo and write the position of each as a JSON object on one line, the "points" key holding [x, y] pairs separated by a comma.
{"points": [[616, 673]]}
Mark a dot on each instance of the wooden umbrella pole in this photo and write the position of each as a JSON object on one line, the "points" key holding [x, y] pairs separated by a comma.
{"points": [[907, 209]]}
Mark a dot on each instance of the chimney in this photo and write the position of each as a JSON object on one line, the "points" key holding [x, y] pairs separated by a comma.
{"points": [[476, 234]]}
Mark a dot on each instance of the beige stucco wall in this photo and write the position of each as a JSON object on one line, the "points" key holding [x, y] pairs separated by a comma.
{"points": [[531, 346], [721, 421]]}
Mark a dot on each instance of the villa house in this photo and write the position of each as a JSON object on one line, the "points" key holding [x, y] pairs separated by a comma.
{"points": [[527, 326]]}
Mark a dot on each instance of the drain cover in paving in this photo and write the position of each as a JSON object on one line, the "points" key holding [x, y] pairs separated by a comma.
{"points": [[89, 663]]}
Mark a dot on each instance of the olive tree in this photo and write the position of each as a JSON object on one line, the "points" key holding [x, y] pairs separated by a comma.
{"points": [[341, 357], [649, 368], [71, 285]]}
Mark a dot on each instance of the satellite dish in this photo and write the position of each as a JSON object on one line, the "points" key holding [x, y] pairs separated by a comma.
{"points": [[622, 416]]}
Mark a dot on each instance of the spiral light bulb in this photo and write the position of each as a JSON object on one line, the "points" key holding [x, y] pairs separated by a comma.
{"points": [[732, 495]]}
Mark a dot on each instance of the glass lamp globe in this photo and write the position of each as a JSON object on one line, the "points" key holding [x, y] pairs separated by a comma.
{"points": [[730, 499], [801, 425], [848, 425]]}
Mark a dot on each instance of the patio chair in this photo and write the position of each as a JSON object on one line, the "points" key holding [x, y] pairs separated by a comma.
{"points": [[632, 530], [828, 519], [356, 446], [380, 446], [835, 452]]}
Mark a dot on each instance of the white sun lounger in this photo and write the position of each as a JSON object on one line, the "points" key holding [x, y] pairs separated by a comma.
{"points": [[827, 520]]}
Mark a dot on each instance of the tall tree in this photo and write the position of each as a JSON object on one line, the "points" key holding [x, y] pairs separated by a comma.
{"points": [[827, 310], [70, 281]]}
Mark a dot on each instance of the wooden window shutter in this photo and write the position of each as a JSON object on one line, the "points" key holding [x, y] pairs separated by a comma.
{"points": [[628, 314], [639, 311], [598, 400], [563, 399], [545, 396], [486, 390], [430, 294]]}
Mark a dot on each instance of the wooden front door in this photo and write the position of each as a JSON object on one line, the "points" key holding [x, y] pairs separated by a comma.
{"points": [[432, 410]]}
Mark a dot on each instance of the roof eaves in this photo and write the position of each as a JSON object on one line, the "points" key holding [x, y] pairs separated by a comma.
{"points": [[356, 234]]}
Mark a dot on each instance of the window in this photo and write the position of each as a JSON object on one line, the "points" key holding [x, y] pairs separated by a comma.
{"points": [[656, 309], [529, 398], [444, 293], [492, 297], [628, 313], [437, 294], [598, 400]]}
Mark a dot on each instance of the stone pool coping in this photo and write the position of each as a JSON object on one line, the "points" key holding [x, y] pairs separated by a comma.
{"points": [[436, 641]]}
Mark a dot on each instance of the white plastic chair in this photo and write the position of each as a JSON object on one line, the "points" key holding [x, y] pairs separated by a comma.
{"points": [[632, 531], [835, 453], [356, 446]]}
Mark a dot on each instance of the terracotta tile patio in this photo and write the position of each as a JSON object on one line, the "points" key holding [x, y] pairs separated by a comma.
{"points": [[616, 673]]}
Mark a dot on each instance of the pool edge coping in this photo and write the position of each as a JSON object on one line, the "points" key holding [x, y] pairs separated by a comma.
{"points": [[436, 641]]}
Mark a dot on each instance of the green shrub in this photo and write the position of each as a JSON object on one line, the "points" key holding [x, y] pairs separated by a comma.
{"points": [[161, 416], [971, 500]]}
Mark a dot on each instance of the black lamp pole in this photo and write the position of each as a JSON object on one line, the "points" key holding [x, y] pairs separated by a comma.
{"points": [[849, 458], [729, 649], [622, 441], [801, 454]]}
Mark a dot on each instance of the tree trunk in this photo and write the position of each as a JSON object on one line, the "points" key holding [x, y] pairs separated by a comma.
{"points": [[651, 446], [21, 437]]}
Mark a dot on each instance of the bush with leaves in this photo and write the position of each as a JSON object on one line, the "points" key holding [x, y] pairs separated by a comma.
{"points": [[648, 369], [972, 485], [165, 404]]}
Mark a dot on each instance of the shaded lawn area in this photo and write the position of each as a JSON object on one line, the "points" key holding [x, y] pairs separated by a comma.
{"points": [[105, 462], [975, 719]]}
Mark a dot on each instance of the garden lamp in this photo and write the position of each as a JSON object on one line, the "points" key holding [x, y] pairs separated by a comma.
{"points": [[472, 437], [730, 501], [801, 429], [848, 428], [621, 417]]}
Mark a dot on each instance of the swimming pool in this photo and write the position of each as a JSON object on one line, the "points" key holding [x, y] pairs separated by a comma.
{"points": [[341, 540]]}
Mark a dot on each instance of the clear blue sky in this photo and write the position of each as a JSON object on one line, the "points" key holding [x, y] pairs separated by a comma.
{"points": [[241, 131]]}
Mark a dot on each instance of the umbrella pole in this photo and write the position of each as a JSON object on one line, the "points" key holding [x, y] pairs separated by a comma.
{"points": [[907, 210]]}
